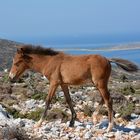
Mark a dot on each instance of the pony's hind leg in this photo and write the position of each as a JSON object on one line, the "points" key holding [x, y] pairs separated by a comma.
{"points": [[69, 101], [96, 112], [102, 87]]}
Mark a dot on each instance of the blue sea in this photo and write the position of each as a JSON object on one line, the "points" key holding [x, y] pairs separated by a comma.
{"points": [[102, 49], [126, 46]]}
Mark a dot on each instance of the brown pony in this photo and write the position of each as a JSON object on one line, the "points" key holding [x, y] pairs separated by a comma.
{"points": [[64, 70]]}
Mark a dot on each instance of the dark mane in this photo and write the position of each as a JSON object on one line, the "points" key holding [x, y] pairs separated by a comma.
{"points": [[31, 49]]}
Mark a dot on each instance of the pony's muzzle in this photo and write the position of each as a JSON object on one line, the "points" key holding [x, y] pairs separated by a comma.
{"points": [[12, 77]]}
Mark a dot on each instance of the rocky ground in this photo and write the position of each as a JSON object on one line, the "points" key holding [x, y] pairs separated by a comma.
{"points": [[21, 104]]}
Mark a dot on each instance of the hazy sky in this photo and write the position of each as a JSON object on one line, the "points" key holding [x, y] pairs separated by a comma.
{"points": [[53, 18]]}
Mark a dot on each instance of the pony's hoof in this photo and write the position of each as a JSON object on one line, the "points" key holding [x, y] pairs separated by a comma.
{"points": [[38, 124], [71, 124], [109, 129], [95, 119]]}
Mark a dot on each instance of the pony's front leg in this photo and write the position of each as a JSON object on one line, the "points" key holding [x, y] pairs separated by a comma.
{"points": [[52, 89]]}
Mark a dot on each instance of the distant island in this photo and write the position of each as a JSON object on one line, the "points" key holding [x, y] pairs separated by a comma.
{"points": [[129, 46]]}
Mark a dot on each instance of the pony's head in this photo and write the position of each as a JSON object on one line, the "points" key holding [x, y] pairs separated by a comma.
{"points": [[20, 64]]}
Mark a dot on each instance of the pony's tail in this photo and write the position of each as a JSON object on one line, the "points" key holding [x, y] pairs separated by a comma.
{"points": [[125, 64]]}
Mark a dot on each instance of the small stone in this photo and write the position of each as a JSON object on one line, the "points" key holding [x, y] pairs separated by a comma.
{"points": [[88, 126], [118, 135], [30, 103], [71, 136], [90, 103], [109, 135], [137, 137], [132, 133], [117, 115], [96, 104], [103, 124], [16, 107], [3, 114], [58, 122], [60, 94], [99, 138], [88, 135], [19, 122], [78, 123], [79, 128], [133, 115], [54, 129], [131, 126], [47, 128]]}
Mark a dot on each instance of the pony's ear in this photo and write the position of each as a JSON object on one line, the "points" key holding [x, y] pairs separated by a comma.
{"points": [[20, 50]]}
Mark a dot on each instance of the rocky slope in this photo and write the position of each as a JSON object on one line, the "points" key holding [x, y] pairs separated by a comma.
{"points": [[7, 50], [21, 104]]}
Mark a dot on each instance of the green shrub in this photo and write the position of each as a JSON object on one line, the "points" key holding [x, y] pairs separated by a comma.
{"points": [[127, 90], [123, 78], [5, 78], [88, 110], [126, 111], [39, 96], [35, 115]]}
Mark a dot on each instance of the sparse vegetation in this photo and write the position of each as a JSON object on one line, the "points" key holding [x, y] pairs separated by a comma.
{"points": [[126, 111], [5, 78], [35, 115], [88, 110], [57, 113], [128, 90], [39, 96], [123, 78]]}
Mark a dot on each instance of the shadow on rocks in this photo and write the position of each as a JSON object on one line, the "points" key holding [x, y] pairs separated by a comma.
{"points": [[8, 133]]}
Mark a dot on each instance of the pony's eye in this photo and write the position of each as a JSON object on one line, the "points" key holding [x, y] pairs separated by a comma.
{"points": [[18, 63]]}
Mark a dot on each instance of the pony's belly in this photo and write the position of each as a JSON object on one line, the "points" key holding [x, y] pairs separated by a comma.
{"points": [[75, 73], [77, 81]]}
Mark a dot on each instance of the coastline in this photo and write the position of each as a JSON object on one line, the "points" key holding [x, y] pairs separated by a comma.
{"points": [[116, 48]]}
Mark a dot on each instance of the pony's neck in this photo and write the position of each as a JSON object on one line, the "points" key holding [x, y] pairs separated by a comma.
{"points": [[39, 63]]}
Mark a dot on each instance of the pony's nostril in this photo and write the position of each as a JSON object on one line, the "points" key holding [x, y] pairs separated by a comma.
{"points": [[12, 80], [11, 75]]}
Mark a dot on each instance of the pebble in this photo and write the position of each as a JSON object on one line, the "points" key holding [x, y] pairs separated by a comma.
{"points": [[118, 135], [109, 135], [131, 126], [78, 123], [88, 126], [19, 122], [117, 115], [88, 135], [79, 128], [47, 128], [54, 129], [30, 103]]}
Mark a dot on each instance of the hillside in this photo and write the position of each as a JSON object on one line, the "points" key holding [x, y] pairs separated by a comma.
{"points": [[22, 103], [7, 50]]}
